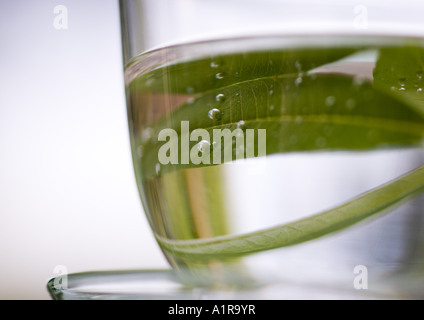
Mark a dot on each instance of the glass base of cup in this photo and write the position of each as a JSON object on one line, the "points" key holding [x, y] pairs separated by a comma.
{"points": [[166, 285]]}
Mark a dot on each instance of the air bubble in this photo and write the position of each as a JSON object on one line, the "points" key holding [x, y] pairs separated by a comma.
{"points": [[402, 89], [190, 100], [357, 82], [298, 66], [215, 114], [271, 107], [203, 146], [330, 101], [148, 82], [146, 134], [214, 64], [240, 124], [220, 97], [157, 168], [419, 74], [298, 81], [320, 142], [219, 75], [350, 104], [393, 88], [419, 90]]}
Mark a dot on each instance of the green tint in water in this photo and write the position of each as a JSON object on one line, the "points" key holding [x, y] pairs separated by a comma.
{"points": [[335, 129]]}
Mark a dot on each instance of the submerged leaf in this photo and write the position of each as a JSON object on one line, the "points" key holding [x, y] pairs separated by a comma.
{"points": [[322, 112], [349, 213], [400, 71], [209, 73], [299, 113]]}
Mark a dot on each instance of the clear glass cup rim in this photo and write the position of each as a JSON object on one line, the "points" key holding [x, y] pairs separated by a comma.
{"points": [[161, 23], [177, 52]]}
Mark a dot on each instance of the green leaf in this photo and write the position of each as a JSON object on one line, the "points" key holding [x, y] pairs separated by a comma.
{"points": [[299, 113], [400, 71], [209, 73], [349, 213]]}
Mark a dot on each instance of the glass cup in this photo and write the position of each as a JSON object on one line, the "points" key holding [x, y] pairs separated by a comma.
{"points": [[278, 144]]}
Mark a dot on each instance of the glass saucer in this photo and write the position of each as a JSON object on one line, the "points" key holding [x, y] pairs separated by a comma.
{"points": [[165, 285]]}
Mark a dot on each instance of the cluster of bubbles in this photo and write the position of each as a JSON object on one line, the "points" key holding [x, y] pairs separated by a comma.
{"points": [[416, 83]]}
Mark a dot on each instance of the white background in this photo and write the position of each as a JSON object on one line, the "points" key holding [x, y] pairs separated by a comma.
{"points": [[67, 192]]}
